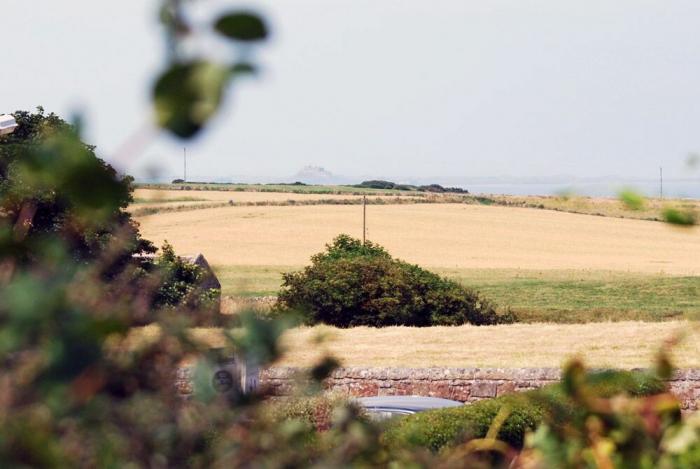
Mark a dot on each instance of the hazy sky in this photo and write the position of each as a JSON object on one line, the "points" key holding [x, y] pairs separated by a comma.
{"points": [[388, 88]]}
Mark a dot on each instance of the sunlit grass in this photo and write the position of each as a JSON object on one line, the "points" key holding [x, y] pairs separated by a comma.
{"points": [[157, 200], [628, 205], [563, 296], [627, 344], [585, 296]]}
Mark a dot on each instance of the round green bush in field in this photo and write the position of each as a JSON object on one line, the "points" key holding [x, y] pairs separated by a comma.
{"points": [[356, 284]]}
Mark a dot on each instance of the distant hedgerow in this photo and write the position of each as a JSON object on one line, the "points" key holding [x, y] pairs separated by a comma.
{"points": [[356, 284]]}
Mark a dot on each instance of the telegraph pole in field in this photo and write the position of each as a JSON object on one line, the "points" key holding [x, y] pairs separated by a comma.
{"points": [[364, 219], [184, 163], [661, 182]]}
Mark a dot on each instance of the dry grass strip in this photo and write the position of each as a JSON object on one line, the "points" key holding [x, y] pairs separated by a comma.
{"points": [[607, 345]]}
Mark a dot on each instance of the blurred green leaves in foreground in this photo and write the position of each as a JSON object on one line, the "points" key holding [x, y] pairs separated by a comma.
{"points": [[632, 200], [79, 389], [677, 216], [82, 387], [242, 26], [189, 93], [671, 213]]}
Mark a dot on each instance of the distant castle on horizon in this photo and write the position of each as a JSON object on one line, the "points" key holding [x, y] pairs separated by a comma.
{"points": [[315, 175]]}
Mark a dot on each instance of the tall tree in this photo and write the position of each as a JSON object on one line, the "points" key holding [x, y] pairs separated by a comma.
{"points": [[72, 178]]}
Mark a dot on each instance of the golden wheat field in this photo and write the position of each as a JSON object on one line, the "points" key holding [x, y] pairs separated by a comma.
{"points": [[628, 344], [154, 197], [651, 208], [433, 235]]}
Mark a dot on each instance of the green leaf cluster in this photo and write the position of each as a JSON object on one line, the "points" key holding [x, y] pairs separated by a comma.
{"points": [[53, 185], [181, 286], [190, 91], [680, 217], [632, 199], [445, 428]]}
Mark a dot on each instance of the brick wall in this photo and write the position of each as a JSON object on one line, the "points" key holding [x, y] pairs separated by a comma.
{"points": [[460, 384]]}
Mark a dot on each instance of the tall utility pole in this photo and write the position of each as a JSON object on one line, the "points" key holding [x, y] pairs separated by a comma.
{"points": [[184, 162], [364, 219], [661, 182]]}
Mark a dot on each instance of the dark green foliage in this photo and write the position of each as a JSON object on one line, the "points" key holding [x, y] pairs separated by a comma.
{"points": [[679, 217], [432, 188], [439, 189], [242, 26], [189, 92], [48, 174], [355, 284], [188, 95], [181, 284], [632, 199], [295, 183], [71, 397], [444, 428], [597, 426], [380, 184], [377, 184], [243, 69]]}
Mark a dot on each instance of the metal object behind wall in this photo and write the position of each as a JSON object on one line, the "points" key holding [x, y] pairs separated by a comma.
{"points": [[231, 376], [235, 375]]}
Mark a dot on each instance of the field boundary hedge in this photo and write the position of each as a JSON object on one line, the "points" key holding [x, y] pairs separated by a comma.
{"points": [[163, 206]]}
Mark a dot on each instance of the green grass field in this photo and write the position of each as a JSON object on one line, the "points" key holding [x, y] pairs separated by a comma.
{"points": [[249, 281], [588, 296], [536, 296]]}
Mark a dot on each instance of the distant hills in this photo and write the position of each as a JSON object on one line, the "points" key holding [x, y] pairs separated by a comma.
{"points": [[320, 175]]}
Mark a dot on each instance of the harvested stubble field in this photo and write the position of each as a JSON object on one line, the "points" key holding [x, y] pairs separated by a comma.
{"points": [[451, 236], [149, 202], [606, 345], [155, 197], [548, 265], [651, 209]]}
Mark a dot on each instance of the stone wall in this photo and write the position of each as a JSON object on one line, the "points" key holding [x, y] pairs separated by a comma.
{"points": [[460, 384]]}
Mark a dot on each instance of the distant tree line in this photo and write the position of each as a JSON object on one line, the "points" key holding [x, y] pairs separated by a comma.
{"points": [[372, 184], [380, 184]]}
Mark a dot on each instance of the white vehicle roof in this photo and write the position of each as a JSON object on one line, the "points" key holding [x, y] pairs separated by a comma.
{"points": [[7, 123], [409, 404]]}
